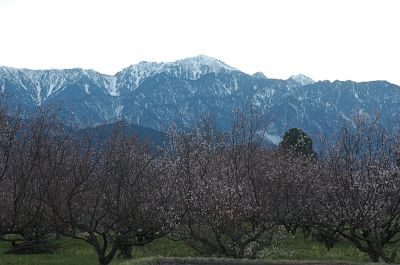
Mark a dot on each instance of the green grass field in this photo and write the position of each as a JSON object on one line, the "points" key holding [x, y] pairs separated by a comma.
{"points": [[74, 252]]}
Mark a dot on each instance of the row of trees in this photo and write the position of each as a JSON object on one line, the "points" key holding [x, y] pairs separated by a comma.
{"points": [[221, 193]]}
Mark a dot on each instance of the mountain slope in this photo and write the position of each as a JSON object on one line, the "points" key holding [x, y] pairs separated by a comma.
{"points": [[142, 134], [156, 94]]}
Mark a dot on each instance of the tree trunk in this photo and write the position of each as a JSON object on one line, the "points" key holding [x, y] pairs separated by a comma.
{"points": [[105, 259], [102, 262], [373, 256], [126, 252]]}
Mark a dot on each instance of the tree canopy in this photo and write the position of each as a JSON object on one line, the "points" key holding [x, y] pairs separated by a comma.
{"points": [[298, 141]]}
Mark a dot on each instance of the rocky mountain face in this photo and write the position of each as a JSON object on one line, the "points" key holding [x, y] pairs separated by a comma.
{"points": [[154, 95]]}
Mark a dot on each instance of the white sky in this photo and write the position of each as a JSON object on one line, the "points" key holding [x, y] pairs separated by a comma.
{"points": [[324, 39]]}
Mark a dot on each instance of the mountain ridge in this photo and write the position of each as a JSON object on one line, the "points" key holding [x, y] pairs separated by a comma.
{"points": [[154, 95]]}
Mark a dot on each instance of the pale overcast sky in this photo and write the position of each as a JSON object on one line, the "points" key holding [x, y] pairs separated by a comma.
{"points": [[324, 39]]}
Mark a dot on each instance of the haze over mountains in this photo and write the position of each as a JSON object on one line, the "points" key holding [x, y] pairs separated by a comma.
{"points": [[154, 95]]}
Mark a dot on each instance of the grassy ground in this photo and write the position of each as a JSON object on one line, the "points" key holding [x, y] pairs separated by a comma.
{"points": [[73, 252], [298, 248]]}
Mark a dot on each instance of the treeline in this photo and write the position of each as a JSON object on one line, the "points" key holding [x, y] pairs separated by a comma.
{"points": [[222, 193]]}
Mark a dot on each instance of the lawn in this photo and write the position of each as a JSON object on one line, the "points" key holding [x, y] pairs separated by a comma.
{"points": [[73, 252]]}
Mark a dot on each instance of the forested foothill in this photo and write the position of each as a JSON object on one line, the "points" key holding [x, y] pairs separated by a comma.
{"points": [[223, 193]]}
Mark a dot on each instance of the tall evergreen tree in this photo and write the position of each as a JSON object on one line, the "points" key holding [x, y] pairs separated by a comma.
{"points": [[298, 141]]}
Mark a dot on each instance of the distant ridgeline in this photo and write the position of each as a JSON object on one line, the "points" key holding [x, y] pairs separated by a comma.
{"points": [[154, 95]]}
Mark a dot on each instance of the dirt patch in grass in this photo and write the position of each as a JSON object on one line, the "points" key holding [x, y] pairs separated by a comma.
{"points": [[240, 262]]}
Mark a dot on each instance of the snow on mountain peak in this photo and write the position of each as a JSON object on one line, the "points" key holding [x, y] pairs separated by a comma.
{"points": [[197, 62], [260, 75], [302, 79], [191, 68], [195, 67], [136, 73], [4, 70]]}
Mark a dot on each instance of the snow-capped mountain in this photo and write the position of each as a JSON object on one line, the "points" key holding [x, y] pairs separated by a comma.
{"points": [[154, 94], [302, 79], [192, 68]]}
